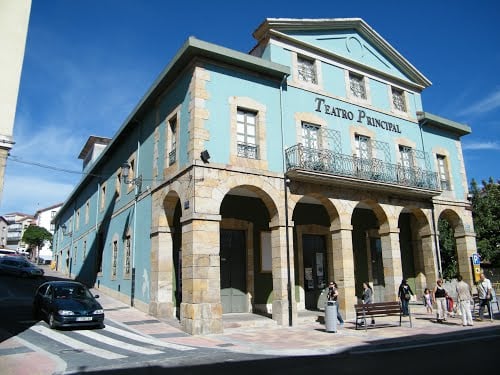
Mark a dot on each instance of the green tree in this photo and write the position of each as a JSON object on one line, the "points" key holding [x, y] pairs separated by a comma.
{"points": [[448, 249], [35, 237], [486, 216]]}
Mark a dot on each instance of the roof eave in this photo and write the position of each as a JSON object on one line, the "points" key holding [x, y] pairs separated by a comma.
{"points": [[426, 118], [339, 24], [191, 49]]}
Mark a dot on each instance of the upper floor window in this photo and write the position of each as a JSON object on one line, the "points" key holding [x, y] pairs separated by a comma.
{"points": [[103, 196], [398, 99], [118, 184], [310, 135], [172, 143], [246, 134], [127, 257], [52, 214], [406, 156], [444, 176], [77, 219], [363, 149], [87, 211], [114, 259], [306, 70], [357, 86]]}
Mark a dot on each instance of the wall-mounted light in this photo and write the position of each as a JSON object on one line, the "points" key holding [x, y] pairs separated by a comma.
{"points": [[125, 173], [65, 231], [205, 156]]}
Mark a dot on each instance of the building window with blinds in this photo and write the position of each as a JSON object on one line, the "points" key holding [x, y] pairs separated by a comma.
{"points": [[306, 70], [247, 134], [444, 176], [398, 99], [357, 86]]}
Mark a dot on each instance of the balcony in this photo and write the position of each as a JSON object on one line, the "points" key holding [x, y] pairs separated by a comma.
{"points": [[326, 166]]}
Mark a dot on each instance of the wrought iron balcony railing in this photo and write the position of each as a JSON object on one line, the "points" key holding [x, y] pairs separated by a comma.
{"points": [[247, 150], [171, 157], [327, 161]]}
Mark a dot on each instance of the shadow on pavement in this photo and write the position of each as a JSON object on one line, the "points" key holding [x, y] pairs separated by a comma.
{"points": [[16, 310]]}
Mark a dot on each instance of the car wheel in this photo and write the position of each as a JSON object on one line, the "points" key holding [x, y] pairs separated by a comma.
{"points": [[52, 321]]}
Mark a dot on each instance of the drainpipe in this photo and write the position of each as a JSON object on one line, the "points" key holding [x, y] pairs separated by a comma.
{"points": [[436, 241], [134, 228], [285, 184]]}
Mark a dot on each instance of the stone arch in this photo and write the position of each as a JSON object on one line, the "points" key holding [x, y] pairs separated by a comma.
{"points": [[313, 217], [166, 237], [417, 242], [464, 240], [268, 190], [252, 210]]}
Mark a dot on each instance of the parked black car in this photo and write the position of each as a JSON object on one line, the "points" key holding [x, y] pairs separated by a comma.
{"points": [[67, 304], [19, 266]]}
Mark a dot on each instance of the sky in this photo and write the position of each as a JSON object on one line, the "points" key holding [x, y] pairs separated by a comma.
{"points": [[89, 62]]}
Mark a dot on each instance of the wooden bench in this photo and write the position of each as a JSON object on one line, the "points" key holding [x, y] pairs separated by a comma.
{"points": [[378, 309]]}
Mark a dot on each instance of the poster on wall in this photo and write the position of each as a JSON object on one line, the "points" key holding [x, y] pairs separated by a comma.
{"points": [[308, 273], [319, 264]]}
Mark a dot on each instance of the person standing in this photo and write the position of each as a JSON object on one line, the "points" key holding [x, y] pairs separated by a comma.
{"points": [[439, 295], [368, 296], [404, 295], [333, 294], [428, 300], [484, 294], [464, 296]]}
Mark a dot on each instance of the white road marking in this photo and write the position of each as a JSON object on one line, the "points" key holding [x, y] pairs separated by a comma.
{"points": [[75, 344], [119, 344], [145, 339]]}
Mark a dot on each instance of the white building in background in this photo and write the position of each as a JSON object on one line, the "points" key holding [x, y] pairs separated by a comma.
{"points": [[43, 218], [4, 228], [17, 224]]}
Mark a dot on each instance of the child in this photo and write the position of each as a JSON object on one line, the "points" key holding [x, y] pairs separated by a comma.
{"points": [[428, 300]]}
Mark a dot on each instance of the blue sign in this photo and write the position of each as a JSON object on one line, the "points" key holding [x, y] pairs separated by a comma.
{"points": [[476, 259]]}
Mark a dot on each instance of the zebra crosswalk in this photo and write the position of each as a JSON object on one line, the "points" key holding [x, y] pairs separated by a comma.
{"points": [[124, 341]]}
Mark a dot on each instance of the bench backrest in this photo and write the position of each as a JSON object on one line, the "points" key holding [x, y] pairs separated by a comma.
{"points": [[378, 308]]}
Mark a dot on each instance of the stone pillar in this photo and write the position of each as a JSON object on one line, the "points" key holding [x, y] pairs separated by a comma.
{"points": [[429, 260], [391, 258], [201, 308], [281, 307], [343, 269], [162, 274], [466, 246]]}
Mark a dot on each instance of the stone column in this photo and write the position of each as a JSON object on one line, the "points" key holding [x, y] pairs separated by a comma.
{"points": [[343, 268], [466, 246], [391, 258], [162, 268], [201, 308], [281, 307], [429, 260]]}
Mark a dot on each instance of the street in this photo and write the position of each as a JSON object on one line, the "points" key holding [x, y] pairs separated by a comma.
{"points": [[119, 349]]}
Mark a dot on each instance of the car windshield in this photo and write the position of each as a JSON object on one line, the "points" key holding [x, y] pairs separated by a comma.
{"points": [[76, 292]]}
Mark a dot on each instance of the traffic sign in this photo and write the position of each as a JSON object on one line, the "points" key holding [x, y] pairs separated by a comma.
{"points": [[476, 259]]}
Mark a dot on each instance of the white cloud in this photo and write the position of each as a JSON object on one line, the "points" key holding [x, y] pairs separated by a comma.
{"points": [[488, 104], [28, 194], [481, 146]]}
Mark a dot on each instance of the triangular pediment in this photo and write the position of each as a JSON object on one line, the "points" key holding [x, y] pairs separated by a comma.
{"points": [[351, 39]]}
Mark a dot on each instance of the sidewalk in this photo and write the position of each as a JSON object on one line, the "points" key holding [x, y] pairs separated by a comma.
{"points": [[254, 334]]}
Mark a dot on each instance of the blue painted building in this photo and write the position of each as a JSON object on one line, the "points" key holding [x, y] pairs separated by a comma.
{"points": [[245, 182]]}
